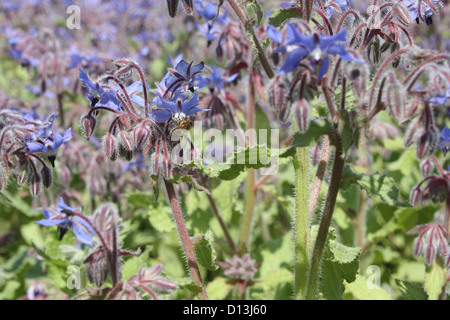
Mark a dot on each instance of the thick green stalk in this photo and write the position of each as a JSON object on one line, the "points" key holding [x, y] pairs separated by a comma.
{"points": [[301, 222], [319, 245]]}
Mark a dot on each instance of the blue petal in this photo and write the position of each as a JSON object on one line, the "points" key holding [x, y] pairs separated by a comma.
{"points": [[34, 147], [274, 34], [160, 116], [326, 42], [343, 53], [293, 59], [323, 68], [82, 236], [188, 105]]}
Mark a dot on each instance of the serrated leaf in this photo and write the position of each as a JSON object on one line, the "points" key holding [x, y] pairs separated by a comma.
{"points": [[411, 291], [279, 16], [205, 252], [375, 184], [339, 263]]}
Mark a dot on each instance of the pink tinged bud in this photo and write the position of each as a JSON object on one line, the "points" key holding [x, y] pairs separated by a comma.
{"points": [[427, 167], [218, 121], [188, 6], [97, 268], [141, 135], [396, 101], [109, 144], [277, 93], [357, 75], [415, 196], [126, 141], [426, 143], [402, 14], [125, 153], [88, 123], [411, 133], [430, 252], [285, 112], [302, 115], [172, 6], [412, 109], [418, 246]]}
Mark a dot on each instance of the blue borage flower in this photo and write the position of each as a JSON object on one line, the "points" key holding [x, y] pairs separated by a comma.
{"points": [[62, 216], [95, 92], [183, 76], [207, 11], [46, 140], [317, 48], [177, 110], [215, 80], [421, 9], [444, 140]]}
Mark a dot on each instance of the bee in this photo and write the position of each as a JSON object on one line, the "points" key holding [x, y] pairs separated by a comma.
{"points": [[181, 122]]}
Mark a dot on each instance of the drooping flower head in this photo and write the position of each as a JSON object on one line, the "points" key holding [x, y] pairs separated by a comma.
{"points": [[63, 216]]}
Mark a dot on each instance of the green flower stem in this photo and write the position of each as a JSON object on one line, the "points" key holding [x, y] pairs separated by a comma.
{"points": [[319, 245], [185, 238], [250, 192], [301, 222]]}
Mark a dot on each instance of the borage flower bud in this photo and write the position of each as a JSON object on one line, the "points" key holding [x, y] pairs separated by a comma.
{"points": [[427, 167], [188, 6], [357, 75], [88, 122], [302, 114], [97, 266], [402, 14], [125, 140], [432, 240], [426, 143], [47, 176], [109, 145], [415, 196], [141, 135], [396, 101], [277, 93], [172, 6]]}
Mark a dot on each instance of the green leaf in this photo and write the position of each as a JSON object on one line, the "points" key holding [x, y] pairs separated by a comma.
{"points": [[205, 252], [317, 128], [435, 279], [278, 16], [256, 157], [360, 290], [339, 263], [411, 291], [374, 184], [218, 289], [254, 12]]}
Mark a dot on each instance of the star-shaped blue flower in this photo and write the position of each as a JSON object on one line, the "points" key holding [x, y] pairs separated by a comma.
{"points": [[175, 109], [316, 48], [46, 140], [63, 217], [215, 80]]}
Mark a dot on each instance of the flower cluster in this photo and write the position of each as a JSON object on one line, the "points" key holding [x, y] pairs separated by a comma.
{"points": [[25, 140]]}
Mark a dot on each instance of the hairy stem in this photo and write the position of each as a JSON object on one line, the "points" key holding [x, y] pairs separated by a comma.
{"points": [[301, 222], [185, 238], [250, 193], [242, 15], [336, 175]]}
